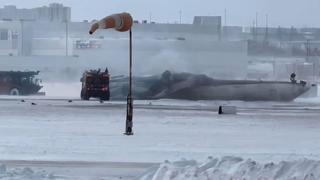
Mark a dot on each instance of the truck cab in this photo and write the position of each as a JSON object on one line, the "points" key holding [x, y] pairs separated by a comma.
{"points": [[95, 84]]}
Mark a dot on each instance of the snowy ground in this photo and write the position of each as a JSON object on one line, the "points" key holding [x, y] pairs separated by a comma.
{"points": [[55, 130], [234, 168], [72, 170]]}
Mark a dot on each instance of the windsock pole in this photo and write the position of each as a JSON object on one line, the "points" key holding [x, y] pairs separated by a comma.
{"points": [[129, 123], [121, 22]]}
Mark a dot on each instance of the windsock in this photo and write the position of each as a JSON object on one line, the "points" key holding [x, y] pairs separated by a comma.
{"points": [[121, 22]]}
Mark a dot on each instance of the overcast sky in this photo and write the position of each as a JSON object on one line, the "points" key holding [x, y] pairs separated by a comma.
{"points": [[301, 13]]}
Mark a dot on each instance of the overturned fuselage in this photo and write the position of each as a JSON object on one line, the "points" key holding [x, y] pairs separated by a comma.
{"points": [[201, 87]]}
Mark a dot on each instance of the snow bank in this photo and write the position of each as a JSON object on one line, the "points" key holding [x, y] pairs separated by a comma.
{"points": [[234, 168], [24, 174]]}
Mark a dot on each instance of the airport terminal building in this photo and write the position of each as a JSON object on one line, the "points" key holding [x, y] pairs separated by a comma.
{"points": [[205, 45]]}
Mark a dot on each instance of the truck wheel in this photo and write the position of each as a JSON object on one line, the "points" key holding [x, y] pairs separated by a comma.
{"points": [[84, 96], [105, 97], [14, 92]]}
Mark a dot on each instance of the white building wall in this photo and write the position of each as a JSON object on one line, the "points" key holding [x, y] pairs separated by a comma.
{"points": [[51, 46]]}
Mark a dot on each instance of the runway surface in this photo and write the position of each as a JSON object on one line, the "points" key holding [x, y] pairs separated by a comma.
{"points": [[76, 139]]}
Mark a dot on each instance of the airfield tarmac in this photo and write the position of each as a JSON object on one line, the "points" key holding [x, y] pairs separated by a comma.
{"points": [[84, 139]]}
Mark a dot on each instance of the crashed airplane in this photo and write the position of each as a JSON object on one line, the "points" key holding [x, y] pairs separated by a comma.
{"points": [[189, 86]]}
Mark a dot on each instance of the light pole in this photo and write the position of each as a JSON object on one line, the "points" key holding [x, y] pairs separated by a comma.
{"points": [[22, 37], [150, 18], [121, 22], [67, 37]]}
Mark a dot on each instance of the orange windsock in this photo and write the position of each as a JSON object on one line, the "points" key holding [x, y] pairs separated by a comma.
{"points": [[121, 22]]}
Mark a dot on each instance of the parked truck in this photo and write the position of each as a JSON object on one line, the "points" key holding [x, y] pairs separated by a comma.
{"points": [[19, 83]]}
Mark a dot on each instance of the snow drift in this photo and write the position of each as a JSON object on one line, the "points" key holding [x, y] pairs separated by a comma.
{"points": [[236, 169], [24, 174]]}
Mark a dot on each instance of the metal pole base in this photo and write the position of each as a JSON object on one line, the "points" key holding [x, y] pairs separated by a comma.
{"points": [[128, 134], [129, 123]]}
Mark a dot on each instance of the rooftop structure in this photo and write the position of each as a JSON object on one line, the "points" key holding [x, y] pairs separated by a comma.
{"points": [[55, 12]]}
